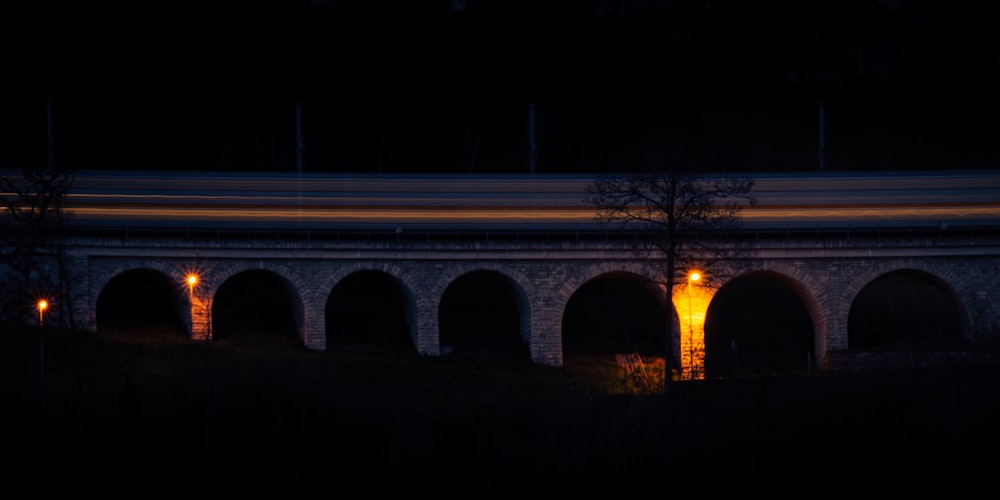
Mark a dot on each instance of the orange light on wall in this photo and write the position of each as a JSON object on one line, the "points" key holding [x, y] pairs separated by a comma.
{"points": [[691, 303], [693, 276], [200, 306]]}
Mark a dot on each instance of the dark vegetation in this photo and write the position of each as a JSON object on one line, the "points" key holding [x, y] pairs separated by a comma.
{"points": [[159, 417]]}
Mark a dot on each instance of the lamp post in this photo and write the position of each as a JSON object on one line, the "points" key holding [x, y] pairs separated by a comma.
{"points": [[42, 305], [192, 281], [692, 277]]}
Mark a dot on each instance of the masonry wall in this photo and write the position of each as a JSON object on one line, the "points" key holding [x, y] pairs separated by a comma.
{"points": [[826, 275]]}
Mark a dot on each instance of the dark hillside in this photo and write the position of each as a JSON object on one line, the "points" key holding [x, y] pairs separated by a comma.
{"points": [[238, 422]]}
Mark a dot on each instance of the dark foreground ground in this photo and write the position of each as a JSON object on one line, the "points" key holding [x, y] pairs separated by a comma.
{"points": [[187, 421]]}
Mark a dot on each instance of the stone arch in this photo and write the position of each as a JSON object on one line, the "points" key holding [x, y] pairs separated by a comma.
{"points": [[298, 290], [101, 275], [802, 286], [408, 284], [524, 288], [579, 277], [950, 282], [813, 297], [454, 272]]}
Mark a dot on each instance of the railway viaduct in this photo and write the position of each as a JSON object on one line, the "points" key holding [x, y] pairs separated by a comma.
{"points": [[824, 240]]}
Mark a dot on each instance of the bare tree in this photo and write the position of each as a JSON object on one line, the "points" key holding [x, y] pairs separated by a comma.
{"points": [[32, 250], [675, 213]]}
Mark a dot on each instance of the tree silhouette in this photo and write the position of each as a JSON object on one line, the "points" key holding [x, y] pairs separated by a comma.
{"points": [[33, 254], [672, 211]]}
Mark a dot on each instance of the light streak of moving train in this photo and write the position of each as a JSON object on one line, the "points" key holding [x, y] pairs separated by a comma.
{"points": [[150, 199]]}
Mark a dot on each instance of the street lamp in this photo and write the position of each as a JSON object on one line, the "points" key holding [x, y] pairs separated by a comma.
{"points": [[42, 306], [195, 306], [191, 280], [693, 276]]}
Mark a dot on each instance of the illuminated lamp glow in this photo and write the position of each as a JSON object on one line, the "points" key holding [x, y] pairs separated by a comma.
{"points": [[42, 306]]}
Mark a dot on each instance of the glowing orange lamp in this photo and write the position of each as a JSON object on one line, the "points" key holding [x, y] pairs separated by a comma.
{"points": [[42, 306]]}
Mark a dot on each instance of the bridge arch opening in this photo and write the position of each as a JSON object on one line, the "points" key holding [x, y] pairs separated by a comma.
{"points": [[255, 308], [616, 313], [142, 303], [483, 311], [758, 323], [906, 310], [370, 309]]}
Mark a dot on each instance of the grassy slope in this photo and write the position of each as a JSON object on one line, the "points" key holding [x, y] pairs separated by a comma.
{"points": [[240, 420]]}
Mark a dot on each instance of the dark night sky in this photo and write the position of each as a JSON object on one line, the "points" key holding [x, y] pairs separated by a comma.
{"points": [[446, 85]]}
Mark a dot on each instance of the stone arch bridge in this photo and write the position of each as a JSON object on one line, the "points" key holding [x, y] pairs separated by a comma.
{"points": [[825, 240]]}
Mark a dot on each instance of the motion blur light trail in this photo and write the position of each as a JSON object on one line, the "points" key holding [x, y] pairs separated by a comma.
{"points": [[151, 199]]}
